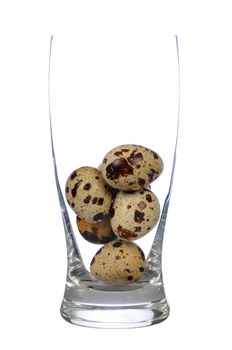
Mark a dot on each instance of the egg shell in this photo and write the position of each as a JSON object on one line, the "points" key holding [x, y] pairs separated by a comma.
{"points": [[134, 214], [118, 262], [88, 194], [131, 167], [98, 233]]}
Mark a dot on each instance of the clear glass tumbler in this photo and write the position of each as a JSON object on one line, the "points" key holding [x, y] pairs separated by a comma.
{"points": [[104, 95]]}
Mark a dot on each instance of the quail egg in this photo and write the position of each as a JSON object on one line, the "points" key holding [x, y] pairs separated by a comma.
{"points": [[134, 214], [118, 262], [131, 167], [88, 194], [99, 233]]}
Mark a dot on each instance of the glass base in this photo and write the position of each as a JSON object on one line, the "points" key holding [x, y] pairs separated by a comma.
{"points": [[102, 305]]}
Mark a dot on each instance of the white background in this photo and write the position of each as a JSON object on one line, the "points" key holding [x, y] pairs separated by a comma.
{"points": [[197, 260]]}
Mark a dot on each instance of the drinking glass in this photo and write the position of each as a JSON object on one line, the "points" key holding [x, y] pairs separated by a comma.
{"points": [[104, 94]]}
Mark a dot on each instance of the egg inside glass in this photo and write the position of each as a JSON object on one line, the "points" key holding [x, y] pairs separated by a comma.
{"points": [[114, 136]]}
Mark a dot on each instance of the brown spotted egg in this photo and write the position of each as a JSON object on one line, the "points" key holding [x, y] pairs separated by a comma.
{"points": [[88, 194], [99, 233], [134, 214], [131, 167], [118, 262]]}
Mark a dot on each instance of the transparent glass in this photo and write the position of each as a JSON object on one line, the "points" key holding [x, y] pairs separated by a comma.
{"points": [[103, 95]]}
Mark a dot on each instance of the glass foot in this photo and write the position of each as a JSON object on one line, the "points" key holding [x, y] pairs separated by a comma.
{"points": [[110, 306]]}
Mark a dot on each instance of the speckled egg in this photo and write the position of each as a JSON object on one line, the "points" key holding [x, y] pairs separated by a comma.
{"points": [[131, 167], [98, 233], [88, 194], [118, 262], [134, 214]]}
